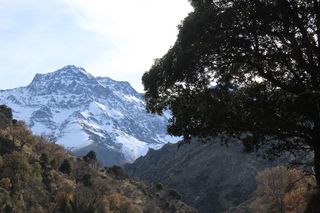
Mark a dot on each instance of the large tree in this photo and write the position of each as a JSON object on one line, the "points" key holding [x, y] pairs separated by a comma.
{"points": [[244, 68]]}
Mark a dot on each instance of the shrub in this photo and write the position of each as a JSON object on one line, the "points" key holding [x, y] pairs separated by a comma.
{"points": [[120, 203], [6, 111], [20, 132], [159, 186], [6, 146], [65, 167], [85, 200], [5, 183], [282, 190], [17, 168], [4, 121], [44, 160], [173, 193], [91, 156], [87, 180], [118, 172]]}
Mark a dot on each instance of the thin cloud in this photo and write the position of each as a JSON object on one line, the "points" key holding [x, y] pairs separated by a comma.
{"points": [[140, 31], [111, 38]]}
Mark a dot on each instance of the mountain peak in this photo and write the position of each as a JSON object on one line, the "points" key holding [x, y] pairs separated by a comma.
{"points": [[72, 69], [69, 70], [85, 113], [65, 79], [70, 66]]}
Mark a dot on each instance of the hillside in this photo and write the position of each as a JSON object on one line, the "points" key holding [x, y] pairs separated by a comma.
{"points": [[38, 176], [210, 177], [82, 113]]}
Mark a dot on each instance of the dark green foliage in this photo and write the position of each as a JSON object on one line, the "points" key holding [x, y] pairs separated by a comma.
{"points": [[54, 164], [5, 116], [118, 172], [65, 167], [159, 186], [87, 180], [4, 121], [45, 167], [244, 66], [173, 193], [313, 205], [91, 156], [44, 161], [8, 209], [6, 146], [84, 200], [6, 111]]}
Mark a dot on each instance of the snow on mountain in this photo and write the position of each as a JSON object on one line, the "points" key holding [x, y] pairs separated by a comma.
{"points": [[82, 112]]}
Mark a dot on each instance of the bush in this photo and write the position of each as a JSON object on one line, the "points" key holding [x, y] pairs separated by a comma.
{"points": [[4, 121], [17, 168], [44, 161], [120, 203], [118, 172], [91, 156], [65, 167], [159, 186], [5, 183], [6, 146], [282, 190], [6, 111], [87, 180], [20, 132], [173, 193], [85, 200]]}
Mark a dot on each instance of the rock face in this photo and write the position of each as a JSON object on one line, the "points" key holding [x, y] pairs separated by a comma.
{"points": [[210, 177], [83, 113]]}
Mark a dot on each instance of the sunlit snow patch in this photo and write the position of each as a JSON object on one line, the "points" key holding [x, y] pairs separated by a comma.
{"points": [[74, 137], [132, 148]]}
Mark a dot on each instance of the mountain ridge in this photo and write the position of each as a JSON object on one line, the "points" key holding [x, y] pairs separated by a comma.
{"points": [[76, 110], [209, 177]]}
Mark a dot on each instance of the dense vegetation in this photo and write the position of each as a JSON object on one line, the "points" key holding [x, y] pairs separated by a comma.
{"points": [[244, 68], [37, 176], [283, 189]]}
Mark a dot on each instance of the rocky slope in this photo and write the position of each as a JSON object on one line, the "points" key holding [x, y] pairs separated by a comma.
{"points": [[82, 113], [38, 176], [210, 177]]}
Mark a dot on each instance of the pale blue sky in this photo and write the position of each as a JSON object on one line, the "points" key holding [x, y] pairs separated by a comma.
{"points": [[115, 38]]}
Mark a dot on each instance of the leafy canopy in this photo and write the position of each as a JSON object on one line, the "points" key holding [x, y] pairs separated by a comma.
{"points": [[243, 66]]}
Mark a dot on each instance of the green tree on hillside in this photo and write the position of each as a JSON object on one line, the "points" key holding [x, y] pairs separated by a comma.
{"points": [[5, 116], [91, 156], [6, 111], [244, 66], [65, 167]]}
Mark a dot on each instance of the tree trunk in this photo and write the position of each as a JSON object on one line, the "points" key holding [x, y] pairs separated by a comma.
{"points": [[316, 145], [317, 166]]}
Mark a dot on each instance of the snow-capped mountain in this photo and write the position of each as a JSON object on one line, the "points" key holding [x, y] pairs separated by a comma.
{"points": [[84, 113]]}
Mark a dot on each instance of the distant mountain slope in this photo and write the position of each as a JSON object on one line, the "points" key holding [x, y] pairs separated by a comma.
{"points": [[82, 112], [210, 177]]}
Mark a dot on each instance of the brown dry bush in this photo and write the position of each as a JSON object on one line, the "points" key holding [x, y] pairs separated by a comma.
{"points": [[119, 203], [281, 189]]}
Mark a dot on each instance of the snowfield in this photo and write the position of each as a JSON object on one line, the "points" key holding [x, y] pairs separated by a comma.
{"points": [[77, 110]]}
